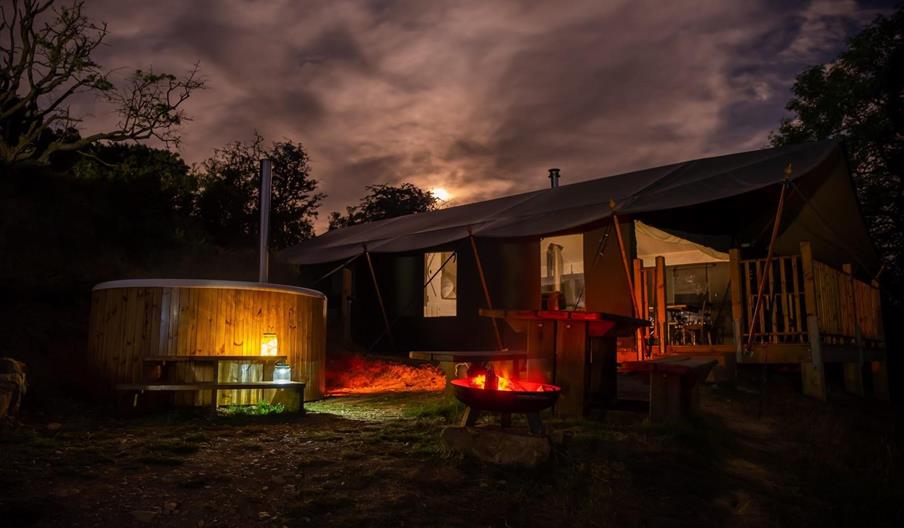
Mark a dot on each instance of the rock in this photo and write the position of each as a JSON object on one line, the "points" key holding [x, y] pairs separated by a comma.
{"points": [[53, 427], [497, 446], [263, 516], [171, 506], [277, 479], [145, 516], [12, 387]]}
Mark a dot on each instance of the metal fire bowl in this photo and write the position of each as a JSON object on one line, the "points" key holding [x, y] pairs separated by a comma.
{"points": [[506, 401]]}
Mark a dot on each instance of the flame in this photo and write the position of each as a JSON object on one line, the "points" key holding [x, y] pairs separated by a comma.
{"points": [[505, 384], [357, 375]]}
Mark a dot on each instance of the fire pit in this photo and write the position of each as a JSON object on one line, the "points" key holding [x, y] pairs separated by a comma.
{"points": [[505, 396]]}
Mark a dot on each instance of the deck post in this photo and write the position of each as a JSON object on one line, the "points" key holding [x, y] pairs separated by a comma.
{"points": [[853, 371], [662, 323], [639, 302], [813, 376], [737, 310]]}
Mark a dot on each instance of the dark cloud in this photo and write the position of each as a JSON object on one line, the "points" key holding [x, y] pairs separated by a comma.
{"points": [[480, 97]]}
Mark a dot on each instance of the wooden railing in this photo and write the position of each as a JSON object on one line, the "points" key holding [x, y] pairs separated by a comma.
{"points": [[796, 288], [847, 310], [781, 317]]}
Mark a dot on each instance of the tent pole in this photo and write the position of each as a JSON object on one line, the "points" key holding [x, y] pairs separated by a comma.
{"points": [[624, 258], [486, 290], [337, 268], [373, 276], [769, 254]]}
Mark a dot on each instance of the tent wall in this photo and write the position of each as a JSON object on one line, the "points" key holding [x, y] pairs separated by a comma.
{"points": [[831, 222], [512, 269], [606, 286]]}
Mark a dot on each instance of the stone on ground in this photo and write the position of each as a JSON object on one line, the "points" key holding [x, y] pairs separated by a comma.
{"points": [[497, 446]]}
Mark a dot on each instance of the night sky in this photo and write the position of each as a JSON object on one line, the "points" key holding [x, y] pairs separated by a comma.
{"points": [[480, 98]]}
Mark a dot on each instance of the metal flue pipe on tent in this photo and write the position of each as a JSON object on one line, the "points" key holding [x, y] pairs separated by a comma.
{"points": [[266, 180], [553, 178]]}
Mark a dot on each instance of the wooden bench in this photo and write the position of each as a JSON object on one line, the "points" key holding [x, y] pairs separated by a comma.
{"points": [[214, 387], [674, 384], [160, 385]]}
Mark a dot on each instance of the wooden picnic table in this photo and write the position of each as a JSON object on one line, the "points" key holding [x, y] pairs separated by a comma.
{"points": [[674, 384], [576, 349]]}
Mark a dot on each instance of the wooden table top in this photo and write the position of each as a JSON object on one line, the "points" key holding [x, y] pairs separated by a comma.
{"points": [[465, 356], [565, 315]]}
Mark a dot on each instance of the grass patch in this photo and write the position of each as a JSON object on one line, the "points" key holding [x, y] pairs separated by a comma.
{"points": [[262, 408], [446, 408]]}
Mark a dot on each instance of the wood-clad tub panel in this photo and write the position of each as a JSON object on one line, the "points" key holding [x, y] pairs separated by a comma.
{"points": [[131, 320]]}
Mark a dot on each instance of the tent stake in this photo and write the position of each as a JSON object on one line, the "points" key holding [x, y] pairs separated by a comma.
{"points": [[373, 276], [624, 258], [486, 290]]}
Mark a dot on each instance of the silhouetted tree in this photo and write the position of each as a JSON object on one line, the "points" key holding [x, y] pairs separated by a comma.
{"points": [[385, 201], [228, 200], [859, 97], [46, 58]]}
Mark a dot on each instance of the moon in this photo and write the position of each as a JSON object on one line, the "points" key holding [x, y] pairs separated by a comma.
{"points": [[441, 194]]}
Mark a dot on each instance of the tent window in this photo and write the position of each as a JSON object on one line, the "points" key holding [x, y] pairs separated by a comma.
{"points": [[441, 292], [562, 270]]}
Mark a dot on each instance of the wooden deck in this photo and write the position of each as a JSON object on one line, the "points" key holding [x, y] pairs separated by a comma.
{"points": [[810, 314]]}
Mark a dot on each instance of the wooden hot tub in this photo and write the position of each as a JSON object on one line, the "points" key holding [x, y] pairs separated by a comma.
{"points": [[134, 321]]}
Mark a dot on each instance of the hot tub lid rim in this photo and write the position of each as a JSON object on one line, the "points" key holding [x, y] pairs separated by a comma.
{"points": [[203, 283]]}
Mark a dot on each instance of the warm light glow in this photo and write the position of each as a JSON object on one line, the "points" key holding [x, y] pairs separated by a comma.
{"points": [[358, 375], [505, 384], [441, 194], [268, 345]]}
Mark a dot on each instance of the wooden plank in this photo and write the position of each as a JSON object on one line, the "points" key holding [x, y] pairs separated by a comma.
{"points": [[571, 361], [737, 310], [661, 314], [795, 284], [761, 314], [770, 305], [461, 356], [813, 372], [786, 318], [212, 359], [639, 344]]}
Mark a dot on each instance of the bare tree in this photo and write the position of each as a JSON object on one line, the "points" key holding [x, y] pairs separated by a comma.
{"points": [[45, 59]]}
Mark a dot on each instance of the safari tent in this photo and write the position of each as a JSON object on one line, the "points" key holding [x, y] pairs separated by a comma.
{"points": [[754, 257]]}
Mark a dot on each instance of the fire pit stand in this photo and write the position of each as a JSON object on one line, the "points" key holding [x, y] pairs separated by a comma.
{"points": [[469, 419], [529, 399]]}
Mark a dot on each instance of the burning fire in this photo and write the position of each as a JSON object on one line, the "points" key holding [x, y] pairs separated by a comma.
{"points": [[480, 381], [358, 375]]}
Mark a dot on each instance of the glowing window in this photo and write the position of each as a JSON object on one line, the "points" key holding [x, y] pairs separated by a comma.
{"points": [[562, 270], [441, 292]]}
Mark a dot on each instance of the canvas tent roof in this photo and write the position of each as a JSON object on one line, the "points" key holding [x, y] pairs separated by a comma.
{"points": [[571, 206]]}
